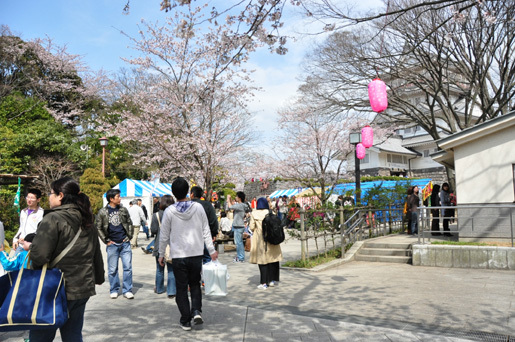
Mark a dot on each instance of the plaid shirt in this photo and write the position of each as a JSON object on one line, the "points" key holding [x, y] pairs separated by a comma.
{"points": [[182, 206]]}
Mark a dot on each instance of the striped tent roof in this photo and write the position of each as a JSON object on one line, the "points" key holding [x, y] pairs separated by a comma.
{"points": [[138, 188], [287, 192]]}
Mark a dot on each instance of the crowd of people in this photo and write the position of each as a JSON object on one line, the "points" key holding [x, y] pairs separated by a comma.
{"points": [[184, 227], [440, 197]]}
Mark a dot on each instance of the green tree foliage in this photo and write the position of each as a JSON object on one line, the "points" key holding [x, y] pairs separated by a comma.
{"points": [[94, 185], [27, 132], [8, 213], [380, 197]]}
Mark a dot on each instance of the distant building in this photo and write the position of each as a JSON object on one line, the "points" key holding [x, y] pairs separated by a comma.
{"points": [[483, 157], [405, 154]]}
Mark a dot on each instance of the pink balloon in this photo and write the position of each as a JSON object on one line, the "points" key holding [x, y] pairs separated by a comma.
{"points": [[377, 95], [367, 136], [361, 151]]}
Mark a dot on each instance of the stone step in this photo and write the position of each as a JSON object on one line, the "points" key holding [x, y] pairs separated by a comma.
{"points": [[380, 258], [373, 244], [385, 251]]}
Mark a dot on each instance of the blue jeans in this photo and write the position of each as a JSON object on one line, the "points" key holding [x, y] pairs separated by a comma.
{"points": [[187, 273], [160, 279], [150, 245], [71, 331], [414, 222], [145, 230], [119, 251], [238, 241]]}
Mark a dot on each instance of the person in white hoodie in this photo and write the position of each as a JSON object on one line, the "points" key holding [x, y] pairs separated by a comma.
{"points": [[186, 229]]}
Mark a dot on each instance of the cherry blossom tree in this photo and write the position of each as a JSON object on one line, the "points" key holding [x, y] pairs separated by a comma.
{"points": [[252, 22], [315, 145], [267, 14], [185, 114], [42, 70]]}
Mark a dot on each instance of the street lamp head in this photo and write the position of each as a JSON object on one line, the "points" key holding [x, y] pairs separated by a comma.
{"points": [[103, 141], [355, 138]]}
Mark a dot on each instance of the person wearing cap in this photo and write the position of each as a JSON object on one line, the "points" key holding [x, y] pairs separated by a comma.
{"points": [[18, 260]]}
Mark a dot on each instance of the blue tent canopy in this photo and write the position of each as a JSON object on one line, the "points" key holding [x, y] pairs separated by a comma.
{"points": [[342, 189]]}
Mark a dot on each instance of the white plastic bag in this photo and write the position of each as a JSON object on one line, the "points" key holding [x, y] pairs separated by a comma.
{"points": [[215, 277]]}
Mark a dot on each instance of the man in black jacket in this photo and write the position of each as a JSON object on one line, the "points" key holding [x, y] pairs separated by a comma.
{"points": [[196, 195], [114, 227]]}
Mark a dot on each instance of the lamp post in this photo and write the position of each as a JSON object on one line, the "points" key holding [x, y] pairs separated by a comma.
{"points": [[103, 143], [355, 139]]}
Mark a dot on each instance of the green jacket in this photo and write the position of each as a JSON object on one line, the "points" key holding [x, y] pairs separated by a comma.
{"points": [[102, 223], [82, 266]]}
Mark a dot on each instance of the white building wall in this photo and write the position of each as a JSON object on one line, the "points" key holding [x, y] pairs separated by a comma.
{"points": [[373, 161], [422, 162], [484, 169]]}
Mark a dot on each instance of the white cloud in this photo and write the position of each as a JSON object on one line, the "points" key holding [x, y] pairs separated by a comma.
{"points": [[278, 87]]}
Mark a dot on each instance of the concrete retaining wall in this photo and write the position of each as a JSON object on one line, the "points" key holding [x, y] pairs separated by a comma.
{"points": [[464, 256]]}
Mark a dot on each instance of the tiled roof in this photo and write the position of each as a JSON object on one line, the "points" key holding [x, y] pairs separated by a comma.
{"points": [[394, 145]]}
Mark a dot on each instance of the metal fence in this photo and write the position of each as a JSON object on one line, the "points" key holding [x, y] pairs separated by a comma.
{"points": [[494, 222], [349, 224], [468, 222]]}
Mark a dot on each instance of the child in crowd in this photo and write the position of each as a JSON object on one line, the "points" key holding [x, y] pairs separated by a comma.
{"points": [[19, 260]]}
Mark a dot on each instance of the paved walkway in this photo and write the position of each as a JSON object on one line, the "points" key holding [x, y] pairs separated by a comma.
{"points": [[357, 301]]}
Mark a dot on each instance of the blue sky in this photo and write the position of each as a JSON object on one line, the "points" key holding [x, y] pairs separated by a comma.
{"points": [[91, 28]]}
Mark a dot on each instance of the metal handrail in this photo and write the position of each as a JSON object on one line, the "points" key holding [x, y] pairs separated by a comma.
{"points": [[425, 220]]}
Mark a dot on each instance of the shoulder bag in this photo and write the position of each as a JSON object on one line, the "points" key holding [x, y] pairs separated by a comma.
{"points": [[34, 299]]}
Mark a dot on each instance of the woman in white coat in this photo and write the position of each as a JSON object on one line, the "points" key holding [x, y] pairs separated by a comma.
{"points": [[266, 255]]}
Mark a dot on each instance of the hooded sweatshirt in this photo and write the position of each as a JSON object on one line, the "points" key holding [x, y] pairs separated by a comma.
{"points": [[186, 229]]}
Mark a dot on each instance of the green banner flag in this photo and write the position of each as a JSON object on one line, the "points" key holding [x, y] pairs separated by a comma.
{"points": [[18, 194]]}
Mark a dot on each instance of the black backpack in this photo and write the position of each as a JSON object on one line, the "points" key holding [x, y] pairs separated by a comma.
{"points": [[273, 232]]}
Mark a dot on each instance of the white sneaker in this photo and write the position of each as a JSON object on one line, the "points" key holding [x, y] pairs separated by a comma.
{"points": [[114, 295], [262, 286], [272, 284], [128, 295]]}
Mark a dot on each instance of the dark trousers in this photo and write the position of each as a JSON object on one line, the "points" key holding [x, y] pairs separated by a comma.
{"points": [[71, 331], [187, 273], [447, 213], [206, 257], [269, 272], [435, 223]]}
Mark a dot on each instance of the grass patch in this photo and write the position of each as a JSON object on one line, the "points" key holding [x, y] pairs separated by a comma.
{"points": [[459, 243], [463, 243], [318, 259]]}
